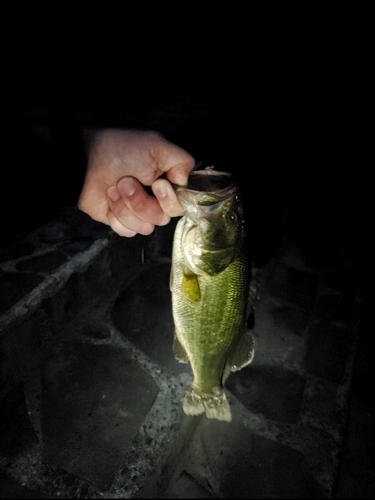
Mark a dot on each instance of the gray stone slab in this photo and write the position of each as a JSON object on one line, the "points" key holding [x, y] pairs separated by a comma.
{"points": [[71, 248], [143, 314], [327, 350], [295, 286], [19, 249], [16, 431], [43, 263], [10, 488], [357, 472], [234, 462], [347, 282], [291, 255], [337, 308], [95, 328], [307, 253], [279, 337], [185, 486], [21, 349], [14, 286], [71, 224], [322, 404], [286, 318], [318, 247], [94, 399], [273, 391]]}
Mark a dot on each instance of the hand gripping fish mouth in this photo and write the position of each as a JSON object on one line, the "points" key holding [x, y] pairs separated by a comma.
{"points": [[210, 278]]}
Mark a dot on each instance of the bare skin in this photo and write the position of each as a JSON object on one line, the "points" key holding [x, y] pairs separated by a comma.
{"points": [[120, 164]]}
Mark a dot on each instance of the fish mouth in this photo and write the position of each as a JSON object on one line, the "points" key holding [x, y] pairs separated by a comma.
{"points": [[207, 180], [202, 205], [203, 201]]}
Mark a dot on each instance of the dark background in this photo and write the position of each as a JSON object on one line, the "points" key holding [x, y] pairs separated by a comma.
{"points": [[285, 147], [289, 114], [284, 109]]}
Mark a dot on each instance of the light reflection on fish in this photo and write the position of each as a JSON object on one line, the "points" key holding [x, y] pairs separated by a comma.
{"points": [[210, 280]]}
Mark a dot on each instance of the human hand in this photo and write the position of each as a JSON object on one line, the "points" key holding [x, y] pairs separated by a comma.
{"points": [[120, 163]]}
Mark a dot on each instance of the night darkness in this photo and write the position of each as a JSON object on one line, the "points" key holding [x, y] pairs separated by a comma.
{"points": [[284, 126]]}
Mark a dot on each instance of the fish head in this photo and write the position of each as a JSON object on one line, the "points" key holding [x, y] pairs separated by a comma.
{"points": [[214, 229]]}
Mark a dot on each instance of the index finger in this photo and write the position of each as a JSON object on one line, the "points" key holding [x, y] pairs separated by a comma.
{"points": [[179, 173], [141, 204], [167, 198], [175, 162]]}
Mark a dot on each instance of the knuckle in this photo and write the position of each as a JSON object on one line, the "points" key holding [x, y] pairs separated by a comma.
{"points": [[140, 206], [147, 230], [123, 231]]}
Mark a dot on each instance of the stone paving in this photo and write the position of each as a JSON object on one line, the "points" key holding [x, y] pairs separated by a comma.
{"points": [[91, 395]]}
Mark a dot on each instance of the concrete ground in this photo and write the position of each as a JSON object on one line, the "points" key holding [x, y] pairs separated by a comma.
{"points": [[91, 395]]}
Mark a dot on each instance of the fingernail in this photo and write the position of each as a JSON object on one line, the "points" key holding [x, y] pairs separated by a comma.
{"points": [[126, 187], [162, 191]]}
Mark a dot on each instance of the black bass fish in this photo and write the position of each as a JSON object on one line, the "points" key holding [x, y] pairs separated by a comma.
{"points": [[210, 279]]}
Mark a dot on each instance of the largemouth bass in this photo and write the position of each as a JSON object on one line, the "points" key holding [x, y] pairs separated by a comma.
{"points": [[210, 279]]}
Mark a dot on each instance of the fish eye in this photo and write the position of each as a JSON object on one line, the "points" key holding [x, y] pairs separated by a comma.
{"points": [[233, 217]]}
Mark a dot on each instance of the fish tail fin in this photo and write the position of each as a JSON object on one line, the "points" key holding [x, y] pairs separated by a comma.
{"points": [[215, 405], [193, 403]]}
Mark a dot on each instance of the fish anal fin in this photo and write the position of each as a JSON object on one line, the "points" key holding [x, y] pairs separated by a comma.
{"points": [[243, 354], [179, 351]]}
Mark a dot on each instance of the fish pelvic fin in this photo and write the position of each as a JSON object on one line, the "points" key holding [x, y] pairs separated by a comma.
{"points": [[214, 405]]}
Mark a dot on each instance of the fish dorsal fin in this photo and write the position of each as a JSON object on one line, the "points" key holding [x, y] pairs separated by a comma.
{"points": [[190, 287]]}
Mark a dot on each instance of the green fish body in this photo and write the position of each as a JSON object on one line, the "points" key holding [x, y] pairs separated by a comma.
{"points": [[210, 280]]}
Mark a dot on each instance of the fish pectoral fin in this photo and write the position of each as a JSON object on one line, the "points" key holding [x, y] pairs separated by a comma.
{"points": [[243, 353], [190, 287], [179, 351]]}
